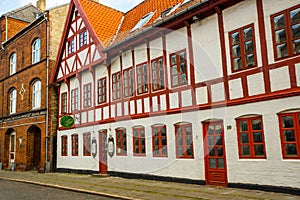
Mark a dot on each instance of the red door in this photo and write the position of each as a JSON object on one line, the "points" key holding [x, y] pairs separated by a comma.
{"points": [[214, 153], [103, 152]]}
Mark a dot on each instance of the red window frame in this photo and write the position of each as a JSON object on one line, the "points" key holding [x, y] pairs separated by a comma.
{"points": [[286, 26], [128, 79], [290, 141], [64, 145], [87, 95], [158, 74], [159, 141], [139, 141], [71, 46], [177, 60], [142, 78], [74, 144], [82, 38], [74, 99], [241, 49], [64, 102], [86, 144], [247, 134], [121, 139], [102, 90], [184, 140], [116, 85]]}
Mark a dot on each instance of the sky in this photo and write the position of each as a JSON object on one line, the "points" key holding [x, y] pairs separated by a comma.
{"points": [[9, 5]]}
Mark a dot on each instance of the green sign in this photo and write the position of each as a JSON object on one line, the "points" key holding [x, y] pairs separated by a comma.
{"points": [[67, 121]]}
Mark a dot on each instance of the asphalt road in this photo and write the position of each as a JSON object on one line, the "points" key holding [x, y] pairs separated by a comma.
{"points": [[10, 190]]}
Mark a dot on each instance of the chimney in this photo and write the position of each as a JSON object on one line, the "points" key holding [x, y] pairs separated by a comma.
{"points": [[41, 4]]}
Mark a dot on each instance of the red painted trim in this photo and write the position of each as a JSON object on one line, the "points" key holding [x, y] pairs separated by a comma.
{"points": [[263, 44], [293, 78], [164, 44], [223, 53]]}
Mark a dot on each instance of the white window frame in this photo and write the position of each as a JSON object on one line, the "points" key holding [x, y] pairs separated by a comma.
{"points": [[36, 94], [13, 101], [144, 20], [36, 51], [13, 63]]}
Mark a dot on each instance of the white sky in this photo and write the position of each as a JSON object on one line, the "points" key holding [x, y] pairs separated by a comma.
{"points": [[9, 5]]}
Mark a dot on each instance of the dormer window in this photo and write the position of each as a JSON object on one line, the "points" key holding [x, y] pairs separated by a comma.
{"points": [[145, 19], [169, 10]]}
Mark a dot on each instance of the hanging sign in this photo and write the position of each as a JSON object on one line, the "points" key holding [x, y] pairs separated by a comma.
{"points": [[67, 121]]}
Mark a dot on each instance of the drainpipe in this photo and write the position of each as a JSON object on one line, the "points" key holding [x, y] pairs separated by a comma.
{"points": [[47, 90], [6, 27]]}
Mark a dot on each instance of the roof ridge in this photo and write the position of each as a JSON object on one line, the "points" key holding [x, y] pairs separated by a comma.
{"points": [[19, 9], [98, 3]]}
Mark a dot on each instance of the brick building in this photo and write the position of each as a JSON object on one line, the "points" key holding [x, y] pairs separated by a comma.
{"points": [[25, 126]]}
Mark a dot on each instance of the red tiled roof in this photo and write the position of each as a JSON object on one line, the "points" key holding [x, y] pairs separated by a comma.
{"points": [[103, 20]]}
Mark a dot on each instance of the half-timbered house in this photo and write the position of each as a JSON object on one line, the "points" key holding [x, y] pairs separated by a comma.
{"points": [[188, 90]]}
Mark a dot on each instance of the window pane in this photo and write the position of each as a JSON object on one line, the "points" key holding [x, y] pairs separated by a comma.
{"points": [[235, 37], [245, 150], [211, 140], [174, 69], [281, 50], [164, 141], [173, 60], [210, 130], [180, 141], [220, 151], [296, 31], [280, 36], [287, 122], [256, 124], [250, 60], [189, 140], [249, 47], [189, 151], [221, 163], [164, 151], [295, 16], [248, 34], [237, 63], [244, 138], [180, 151], [182, 57], [218, 129], [243, 126], [211, 151], [257, 137], [279, 22], [296, 46], [219, 140], [212, 163], [289, 136], [290, 149], [259, 150], [236, 51], [175, 80]]}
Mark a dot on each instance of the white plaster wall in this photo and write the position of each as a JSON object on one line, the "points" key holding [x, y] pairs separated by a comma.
{"points": [[207, 49], [280, 79], [127, 60], [202, 95], [235, 88], [154, 103], [140, 54], [217, 92], [237, 16], [270, 9], [174, 100], [163, 102], [186, 98], [156, 48], [256, 84], [115, 65], [298, 73]]}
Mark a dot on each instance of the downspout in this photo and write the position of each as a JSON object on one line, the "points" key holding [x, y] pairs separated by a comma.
{"points": [[6, 27], [47, 90]]}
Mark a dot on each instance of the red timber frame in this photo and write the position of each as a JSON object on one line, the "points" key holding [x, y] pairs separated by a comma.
{"points": [[214, 8]]}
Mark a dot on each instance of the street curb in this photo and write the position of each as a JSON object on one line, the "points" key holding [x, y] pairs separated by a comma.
{"points": [[70, 189]]}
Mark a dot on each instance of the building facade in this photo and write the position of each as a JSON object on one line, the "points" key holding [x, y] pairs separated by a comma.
{"points": [[25, 131], [205, 91]]}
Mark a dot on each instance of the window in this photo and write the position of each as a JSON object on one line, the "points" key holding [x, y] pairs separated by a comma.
{"points": [[36, 94], [87, 95], [116, 84], [143, 21], [290, 134], [251, 137], [128, 82], [242, 46], [74, 99], [178, 68], [286, 33], [159, 141], [75, 145], [71, 46], [121, 142], [13, 63], [102, 90], [36, 51], [13, 101], [64, 145], [64, 103], [158, 80], [83, 38], [139, 142], [184, 140], [142, 78], [86, 144]]}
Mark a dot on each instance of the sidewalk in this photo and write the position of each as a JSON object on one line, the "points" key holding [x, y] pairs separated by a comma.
{"points": [[138, 189]]}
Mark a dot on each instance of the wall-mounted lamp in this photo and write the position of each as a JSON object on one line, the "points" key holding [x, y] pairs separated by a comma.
{"points": [[20, 141], [196, 18]]}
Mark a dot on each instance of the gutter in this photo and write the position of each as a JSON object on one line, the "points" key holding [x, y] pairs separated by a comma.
{"points": [[149, 28]]}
